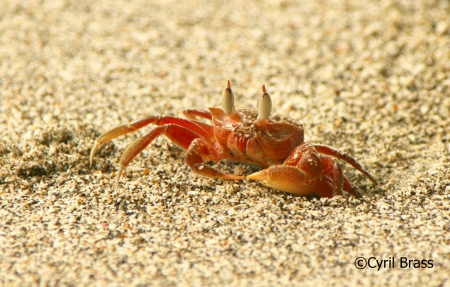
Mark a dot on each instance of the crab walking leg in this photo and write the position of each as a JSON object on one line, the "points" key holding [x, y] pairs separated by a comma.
{"points": [[348, 188], [333, 181], [194, 114], [202, 130], [324, 149], [178, 134], [332, 176], [195, 160]]}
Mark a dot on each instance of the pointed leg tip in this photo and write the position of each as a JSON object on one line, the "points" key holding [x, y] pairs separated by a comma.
{"points": [[91, 159], [119, 174], [374, 181], [93, 152], [91, 162], [357, 195]]}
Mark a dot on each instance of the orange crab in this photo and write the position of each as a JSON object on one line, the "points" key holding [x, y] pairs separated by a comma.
{"points": [[250, 136]]}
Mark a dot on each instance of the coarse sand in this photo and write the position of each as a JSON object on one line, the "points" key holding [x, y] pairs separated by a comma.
{"points": [[370, 78]]}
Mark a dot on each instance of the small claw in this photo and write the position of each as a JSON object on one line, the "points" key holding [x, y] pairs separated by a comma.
{"points": [[228, 100], [265, 105], [286, 178]]}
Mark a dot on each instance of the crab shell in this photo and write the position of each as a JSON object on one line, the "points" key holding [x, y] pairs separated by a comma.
{"points": [[249, 136], [255, 141]]}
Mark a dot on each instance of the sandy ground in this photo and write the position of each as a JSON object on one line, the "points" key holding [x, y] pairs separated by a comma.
{"points": [[372, 80]]}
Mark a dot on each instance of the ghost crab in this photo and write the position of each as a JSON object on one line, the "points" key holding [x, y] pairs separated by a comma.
{"points": [[250, 136]]}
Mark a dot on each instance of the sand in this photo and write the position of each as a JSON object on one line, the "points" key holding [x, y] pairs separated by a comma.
{"points": [[370, 78]]}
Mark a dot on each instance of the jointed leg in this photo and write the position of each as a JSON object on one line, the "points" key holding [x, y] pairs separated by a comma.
{"points": [[200, 151], [324, 149], [348, 188], [193, 114], [178, 134], [202, 130], [332, 178]]}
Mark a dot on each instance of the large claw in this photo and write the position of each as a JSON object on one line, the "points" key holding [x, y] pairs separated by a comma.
{"points": [[286, 178]]}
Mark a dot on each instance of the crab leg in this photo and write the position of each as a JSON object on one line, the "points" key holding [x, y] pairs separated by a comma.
{"points": [[200, 151], [332, 176], [202, 130], [334, 180], [178, 134], [193, 114], [324, 149]]}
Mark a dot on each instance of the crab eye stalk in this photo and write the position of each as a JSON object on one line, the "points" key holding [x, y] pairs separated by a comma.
{"points": [[228, 100], [265, 105]]}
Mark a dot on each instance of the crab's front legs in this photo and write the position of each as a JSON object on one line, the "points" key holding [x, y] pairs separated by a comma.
{"points": [[305, 172], [200, 151]]}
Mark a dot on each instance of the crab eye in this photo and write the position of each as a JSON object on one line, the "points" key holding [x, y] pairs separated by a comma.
{"points": [[265, 105], [228, 100]]}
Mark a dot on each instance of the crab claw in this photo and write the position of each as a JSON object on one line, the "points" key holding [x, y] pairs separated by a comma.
{"points": [[283, 177]]}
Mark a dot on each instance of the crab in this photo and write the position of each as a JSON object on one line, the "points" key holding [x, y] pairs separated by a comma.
{"points": [[249, 136]]}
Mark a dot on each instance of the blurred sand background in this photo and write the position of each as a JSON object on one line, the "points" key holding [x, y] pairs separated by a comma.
{"points": [[371, 78]]}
